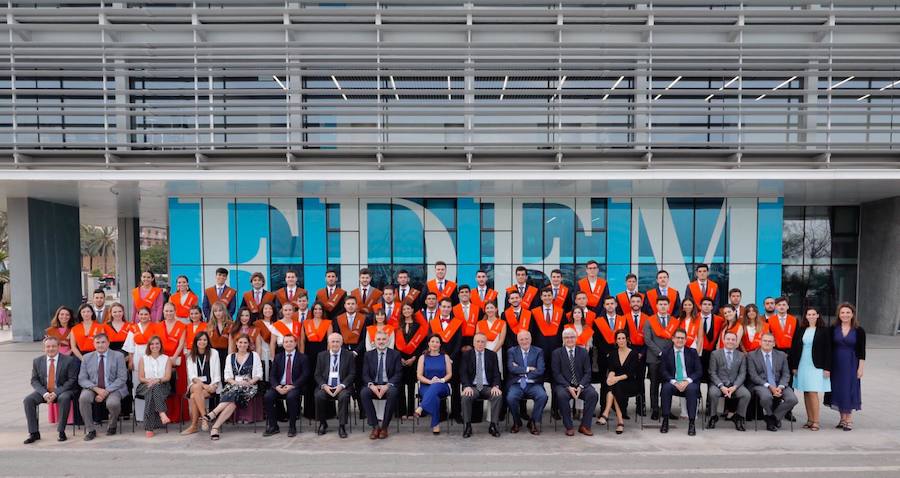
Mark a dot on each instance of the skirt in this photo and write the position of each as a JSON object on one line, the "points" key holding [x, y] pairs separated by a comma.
{"points": [[240, 395]]}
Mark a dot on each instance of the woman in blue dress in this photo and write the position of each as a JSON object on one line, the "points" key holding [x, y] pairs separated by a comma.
{"points": [[847, 363], [434, 372], [811, 363]]}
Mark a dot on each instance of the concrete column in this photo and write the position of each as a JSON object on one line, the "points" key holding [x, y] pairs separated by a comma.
{"points": [[878, 302], [45, 263], [128, 257]]}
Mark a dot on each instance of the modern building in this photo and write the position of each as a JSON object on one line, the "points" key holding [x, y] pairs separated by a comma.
{"points": [[758, 136]]}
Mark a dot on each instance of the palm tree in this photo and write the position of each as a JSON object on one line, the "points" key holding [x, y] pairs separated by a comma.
{"points": [[88, 244], [105, 242]]}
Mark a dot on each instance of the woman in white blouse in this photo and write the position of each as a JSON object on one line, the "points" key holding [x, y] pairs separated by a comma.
{"points": [[203, 377], [243, 369], [154, 373]]}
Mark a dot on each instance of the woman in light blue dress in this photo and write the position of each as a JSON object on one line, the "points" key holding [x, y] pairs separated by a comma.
{"points": [[811, 363]]}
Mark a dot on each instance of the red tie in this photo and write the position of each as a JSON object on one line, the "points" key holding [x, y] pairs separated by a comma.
{"points": [[288, 373]]}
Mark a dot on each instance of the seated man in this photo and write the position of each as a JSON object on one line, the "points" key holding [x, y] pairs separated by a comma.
{"points": [[288, 375], [525, 367], [335, 373], [681, 372], [381, 376], [572, 380], [479, 375], [770, 378], [727, 370], [54, 378], [102, 377]]}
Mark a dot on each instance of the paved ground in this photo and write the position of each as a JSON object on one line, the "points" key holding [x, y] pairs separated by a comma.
{"points": [[873, 449]]}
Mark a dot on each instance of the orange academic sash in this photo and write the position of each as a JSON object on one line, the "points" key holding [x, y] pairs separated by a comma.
{"points": [[330, 303], [373, 296], [191, 331], [490, 295], [373, 329], [217, 339], [295, 328], [410, 297], [752, 343], [718, 323], [449, 289], [396, 307], [183, 310], [117, 336], [561, 296], [587, 333], [548, 328], [594, 295], [62, 337], [351, 336], [517, 324], [603, 326], [636, 335], [469, 322], [446, 335], [712, 289], [316, 334], [491, 332], [171, 337], [227, 295], [410, 347], [783, 337], [142, 337], [692, 330], [267, 297], [625, 302], [734, 328], [658, 329], [85, 338], [653, 294], [146, 301], [530, 293], [281, 296]]}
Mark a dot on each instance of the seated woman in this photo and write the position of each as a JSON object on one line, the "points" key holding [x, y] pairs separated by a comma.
{"points": [[433, 372], [253, 412], [203, 378], [154, 374], [622, 380], [243, 369]]}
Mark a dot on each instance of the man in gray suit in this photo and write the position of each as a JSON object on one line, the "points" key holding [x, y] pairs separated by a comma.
{"points": [[727, 370], [103, 378], [54, 378], [656, 345], [770, 377]]}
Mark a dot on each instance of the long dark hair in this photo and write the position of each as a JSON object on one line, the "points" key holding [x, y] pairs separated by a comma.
{"points": [[695, 311], [428, 340], [195, 352], [54, 322], [81, 307]]}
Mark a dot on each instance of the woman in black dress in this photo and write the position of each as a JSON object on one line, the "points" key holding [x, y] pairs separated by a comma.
{"points": [[621, 380], [314, 339], [409, 341]]}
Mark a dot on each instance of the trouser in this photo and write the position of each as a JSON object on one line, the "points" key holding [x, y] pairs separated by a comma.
{"points": [[484, 394], [534, 391], [741, 394], [292, 399], [766, 401], [655, 382], [642, 373], [34, 399], [343, 400], [85, 404], [408, 391], [367, 398], [691, 393], [590, 397]]}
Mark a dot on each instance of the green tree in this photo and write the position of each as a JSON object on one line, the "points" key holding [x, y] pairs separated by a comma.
{"points": [[156, 259]]}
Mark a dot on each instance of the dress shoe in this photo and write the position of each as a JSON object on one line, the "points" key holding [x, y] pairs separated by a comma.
{"points": [[493, 430], [458, 419], [467, 430], [555, 414], [270, 431], [90, 435], [712, 422], [374, 434], [32, 437], [790, 417], [654, 415], [570, 432], [515, 428], [672, 416], [778, 423], [322, 428], [585, 431], [292, 431], [739, 423], [625, 416], [382, 433], [61, 436], [664, 427], [530, 425], [692, 430], [536, 429], [770, 423], [342, 431]]}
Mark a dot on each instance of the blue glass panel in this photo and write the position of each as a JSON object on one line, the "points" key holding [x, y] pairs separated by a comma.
{"points": [[532, 232], [468, 250], [769, 231], [287, 231], [445, 210], [487, 215], [645, 247], [646, 276], [184, 231], [314, 241], [559, 223], [409, 237], [276, 280], [334, 216], [379, 234], [194, 274], [616, 277], [487, 247], [334, 247], [618, 232], [706, 218], [252, 220], [768, 281], [682, 211]]}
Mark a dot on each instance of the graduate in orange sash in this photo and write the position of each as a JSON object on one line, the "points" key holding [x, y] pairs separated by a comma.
{"points": [[517, 318], [291, 292], [331, 296], [662, 289], [351, 325], [83, 333], [528, 294], [623, 299], [689, 316], [243, 327], [605, 342], [390, 305], [147, 295], [219, 292], [256, 296], [732, 324], [703, 287], [366, 295], [594, 286], [783, 326], [183, 299], [440, 285], [768, 307], [193, 327], [482, 294], [268, 315], [469, 314], [658, 338], [637, 321], [98, 300], [755, 325], [286, 326], [431, 308], [712, 329], [584, 327], [449, 330], [406, 293], [314, 334], [562, 296], [173, 342], [219, 330], [734, 299], [410, 342], [493, 327], [581, 303], [546, 331], [379, 324]]}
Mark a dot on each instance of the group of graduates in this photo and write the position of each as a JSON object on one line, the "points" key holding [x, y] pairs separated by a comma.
{"points": [[400, 351]]}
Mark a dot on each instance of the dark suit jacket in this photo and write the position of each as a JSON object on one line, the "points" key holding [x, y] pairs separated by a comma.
{"points": [[392, 367], [346, 369], [821, 348], [756, 368], [693, 368], [300, 370], [560, 367], [515, 368], [67, 369], [491, 368]]}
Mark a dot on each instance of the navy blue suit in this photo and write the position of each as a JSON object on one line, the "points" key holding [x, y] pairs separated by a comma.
{"points": [[523, 384], [693, 369], [393, 373], [300, 375], [563, 379]]}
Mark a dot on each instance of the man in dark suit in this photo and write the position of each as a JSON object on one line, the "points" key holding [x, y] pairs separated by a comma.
{"points": [[681, 373], [381, 376], [287, 379], [770, 379], [572, 380], [525, 368], [334, 375], [479, 373], [54, 378]]}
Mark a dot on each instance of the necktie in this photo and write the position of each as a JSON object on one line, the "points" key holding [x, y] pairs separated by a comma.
{"points": [[637, 321], [99, 313], [523, 380], [612, 323], [219, 291], [547, 315], [782, 320], [441, 286], [350, 320], [430, 315], [679, 369], [481, 293], [303, 316], [334, 368], [770, 374], [288, 370], [403, 294], [664, 320], [364, 291], [555, 291], [479, 371], [388, 311], [101, 373], [728, 358], [703, 288], [290, 294], [706, 324], [521, 291], [379, 372], [51, 376], [330, 292], [258, 296], [573, 380]]}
